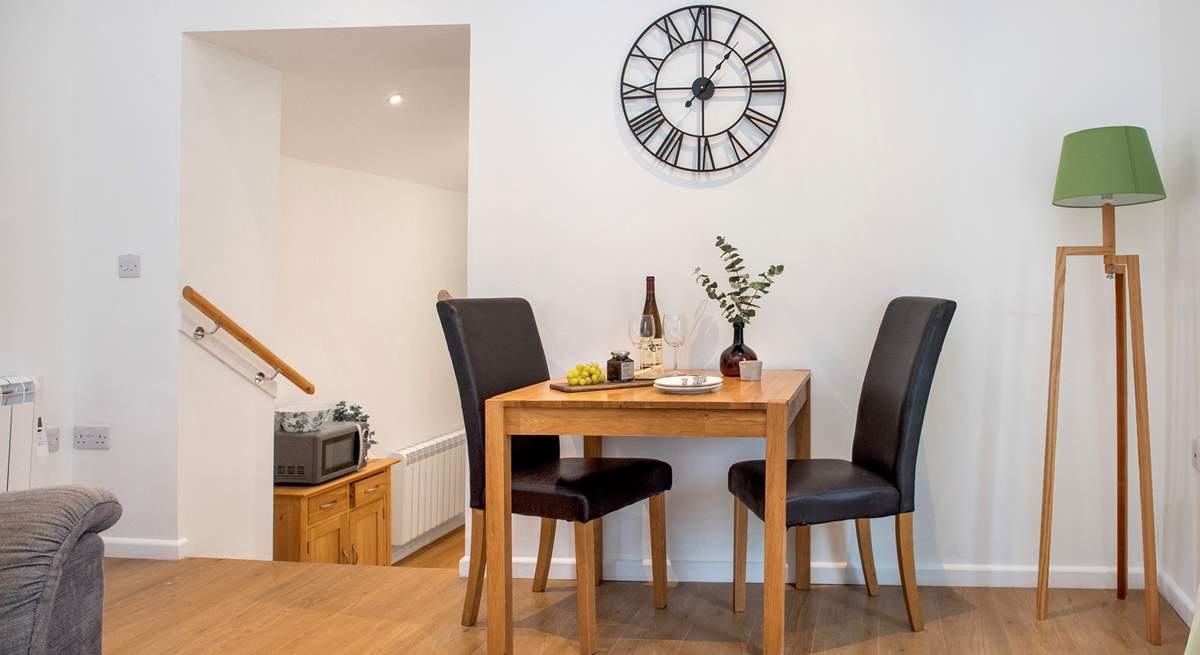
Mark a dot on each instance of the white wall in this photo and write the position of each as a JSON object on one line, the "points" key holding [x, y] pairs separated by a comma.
{"points": [[1181, 173], [917, 155], [361, 259], [35, 335], [229, 238]]}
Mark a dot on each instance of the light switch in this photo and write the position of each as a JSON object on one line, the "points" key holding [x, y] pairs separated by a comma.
{"points": [[129, 266]]}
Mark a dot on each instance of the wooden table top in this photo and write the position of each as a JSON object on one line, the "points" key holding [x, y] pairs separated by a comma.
{"points": [[777, 385]]}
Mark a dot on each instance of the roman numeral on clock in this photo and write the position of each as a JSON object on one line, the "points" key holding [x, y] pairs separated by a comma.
{"points": [[656, 62], [645, 124], [739, 151], [764, 123], [632, 92], [768, 86], [758, 53], [668, 27], [670, 147], [704, 155], [701, 22]]}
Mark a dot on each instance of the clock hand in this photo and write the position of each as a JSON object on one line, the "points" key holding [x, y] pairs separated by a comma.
{"points": [[710, 76]]}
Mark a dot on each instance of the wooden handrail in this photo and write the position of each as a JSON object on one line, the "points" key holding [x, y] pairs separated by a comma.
{"points": [[246, 339]]}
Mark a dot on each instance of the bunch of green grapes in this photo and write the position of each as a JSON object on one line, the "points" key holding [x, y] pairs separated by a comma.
{"points": [[584, 375]]}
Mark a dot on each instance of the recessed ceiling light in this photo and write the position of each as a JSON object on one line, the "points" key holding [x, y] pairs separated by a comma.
{"points": [[395, 99]]}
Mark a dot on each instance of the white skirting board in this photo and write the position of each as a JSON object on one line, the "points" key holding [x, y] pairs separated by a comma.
{"points": [[136, 548], [948, 575]]}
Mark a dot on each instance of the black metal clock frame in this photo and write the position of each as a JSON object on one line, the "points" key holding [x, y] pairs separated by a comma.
{"points": [[664, 139]]}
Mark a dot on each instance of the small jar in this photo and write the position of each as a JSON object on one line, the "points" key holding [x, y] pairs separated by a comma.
{"points": [[620, 367]]}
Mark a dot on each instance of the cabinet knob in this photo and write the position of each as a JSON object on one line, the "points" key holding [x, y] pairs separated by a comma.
{"points": [[328, 504]]}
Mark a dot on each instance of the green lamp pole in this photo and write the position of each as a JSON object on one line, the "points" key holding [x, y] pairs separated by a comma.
{"points": [[1105, 167]]}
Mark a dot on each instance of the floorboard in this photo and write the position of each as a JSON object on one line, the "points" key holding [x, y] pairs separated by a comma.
{"points": [[233, 606]]}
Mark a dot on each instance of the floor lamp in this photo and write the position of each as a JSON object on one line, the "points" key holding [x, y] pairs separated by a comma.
{"points": [[1106, 167]]}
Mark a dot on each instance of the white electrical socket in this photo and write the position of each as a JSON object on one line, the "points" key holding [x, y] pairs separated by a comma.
{"points": [[129, 266], [91, 437], [52, 440], [1196, 454]]}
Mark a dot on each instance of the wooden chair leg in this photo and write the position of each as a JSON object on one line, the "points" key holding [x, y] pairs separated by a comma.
{"points": [[478, 564], [863, 528], [908, 571], [585, 585], [739, 556], [545, 549], [658, 548], [1141, 402]]}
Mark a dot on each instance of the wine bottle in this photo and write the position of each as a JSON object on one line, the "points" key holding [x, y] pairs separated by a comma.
{"points": [[655, 347]]}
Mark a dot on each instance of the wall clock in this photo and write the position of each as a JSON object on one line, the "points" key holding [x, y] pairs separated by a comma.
{"points": [[703, 88]]}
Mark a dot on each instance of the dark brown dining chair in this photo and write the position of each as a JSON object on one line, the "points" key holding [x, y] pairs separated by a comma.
{"points": [[879, 478], [495, 347]]}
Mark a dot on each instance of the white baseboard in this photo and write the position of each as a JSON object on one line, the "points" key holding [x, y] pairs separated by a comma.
{"points": [[135, 548], [400, 551], [945, 575], [1177, 597]]}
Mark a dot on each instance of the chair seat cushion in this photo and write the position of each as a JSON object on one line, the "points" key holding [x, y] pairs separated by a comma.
{"points": [[582, 489], [818, 490]]}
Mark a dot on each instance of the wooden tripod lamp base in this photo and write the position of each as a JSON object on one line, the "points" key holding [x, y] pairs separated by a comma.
{"points": [[1127, 274], [1105, 167]]}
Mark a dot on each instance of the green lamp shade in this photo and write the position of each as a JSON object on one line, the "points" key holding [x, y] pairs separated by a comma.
{"points": [[1107, 165]]}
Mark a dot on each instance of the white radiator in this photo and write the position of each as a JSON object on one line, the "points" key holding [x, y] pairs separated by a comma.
{"points": [[16, 433], [428, 492]]}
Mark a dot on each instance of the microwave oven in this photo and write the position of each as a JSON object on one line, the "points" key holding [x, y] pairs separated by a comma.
{"points": [[319, 456]]}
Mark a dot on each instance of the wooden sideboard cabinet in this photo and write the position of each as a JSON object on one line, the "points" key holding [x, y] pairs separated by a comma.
{"points": [[343, 521]]}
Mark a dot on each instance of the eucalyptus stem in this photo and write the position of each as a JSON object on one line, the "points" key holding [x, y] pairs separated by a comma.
{"points": [[740, 303]]}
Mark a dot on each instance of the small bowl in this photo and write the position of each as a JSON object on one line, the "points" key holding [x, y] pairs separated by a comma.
{"points": [[302, 418]]}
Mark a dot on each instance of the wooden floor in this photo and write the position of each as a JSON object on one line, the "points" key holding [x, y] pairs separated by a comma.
{"points": [[228, 606], [441, 554]]}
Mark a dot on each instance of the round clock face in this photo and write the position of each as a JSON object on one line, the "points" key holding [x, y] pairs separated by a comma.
{"points": [[703, 88]]}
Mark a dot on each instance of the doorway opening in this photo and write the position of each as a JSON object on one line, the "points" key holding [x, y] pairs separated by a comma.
{"points": [[323, 206]]}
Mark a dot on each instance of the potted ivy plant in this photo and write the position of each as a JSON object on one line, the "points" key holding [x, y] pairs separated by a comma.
{"points": [[344, 411], [739, 304]]}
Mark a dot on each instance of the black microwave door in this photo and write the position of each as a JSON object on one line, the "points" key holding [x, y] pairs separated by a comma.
{"points": [[339, 453]]}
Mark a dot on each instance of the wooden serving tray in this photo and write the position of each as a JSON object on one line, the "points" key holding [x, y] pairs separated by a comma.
{"points": [[603, 386]]}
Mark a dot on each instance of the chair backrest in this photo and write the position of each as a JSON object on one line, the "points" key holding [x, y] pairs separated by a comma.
{"points": [[895, 389], [495, 347]]}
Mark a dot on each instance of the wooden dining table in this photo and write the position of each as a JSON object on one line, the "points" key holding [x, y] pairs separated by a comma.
{"points": [[772, 409]]}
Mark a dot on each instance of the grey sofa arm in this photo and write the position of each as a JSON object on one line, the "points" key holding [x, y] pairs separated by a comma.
{"points": [[51, 568]]}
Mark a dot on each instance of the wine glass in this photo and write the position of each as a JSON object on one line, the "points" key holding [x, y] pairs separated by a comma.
{"points": [[673, 334], [641, 333]]}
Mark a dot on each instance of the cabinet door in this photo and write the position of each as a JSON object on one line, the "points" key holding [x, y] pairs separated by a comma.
{"points": [[328, 542], [369, 536]]}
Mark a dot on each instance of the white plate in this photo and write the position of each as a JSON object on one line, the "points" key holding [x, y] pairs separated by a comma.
{"points": [[688, 381], [688, 391]]}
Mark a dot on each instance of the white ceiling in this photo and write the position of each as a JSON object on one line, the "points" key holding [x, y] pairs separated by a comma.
{"points": [[335, 88]]}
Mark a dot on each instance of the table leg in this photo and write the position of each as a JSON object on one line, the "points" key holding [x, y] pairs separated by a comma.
{"points": [[498, 502], [802, 449], [775, 529], [593, 446]]}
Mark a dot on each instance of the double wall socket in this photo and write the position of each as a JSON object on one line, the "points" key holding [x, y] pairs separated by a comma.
{"points": [[91, 437]]}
